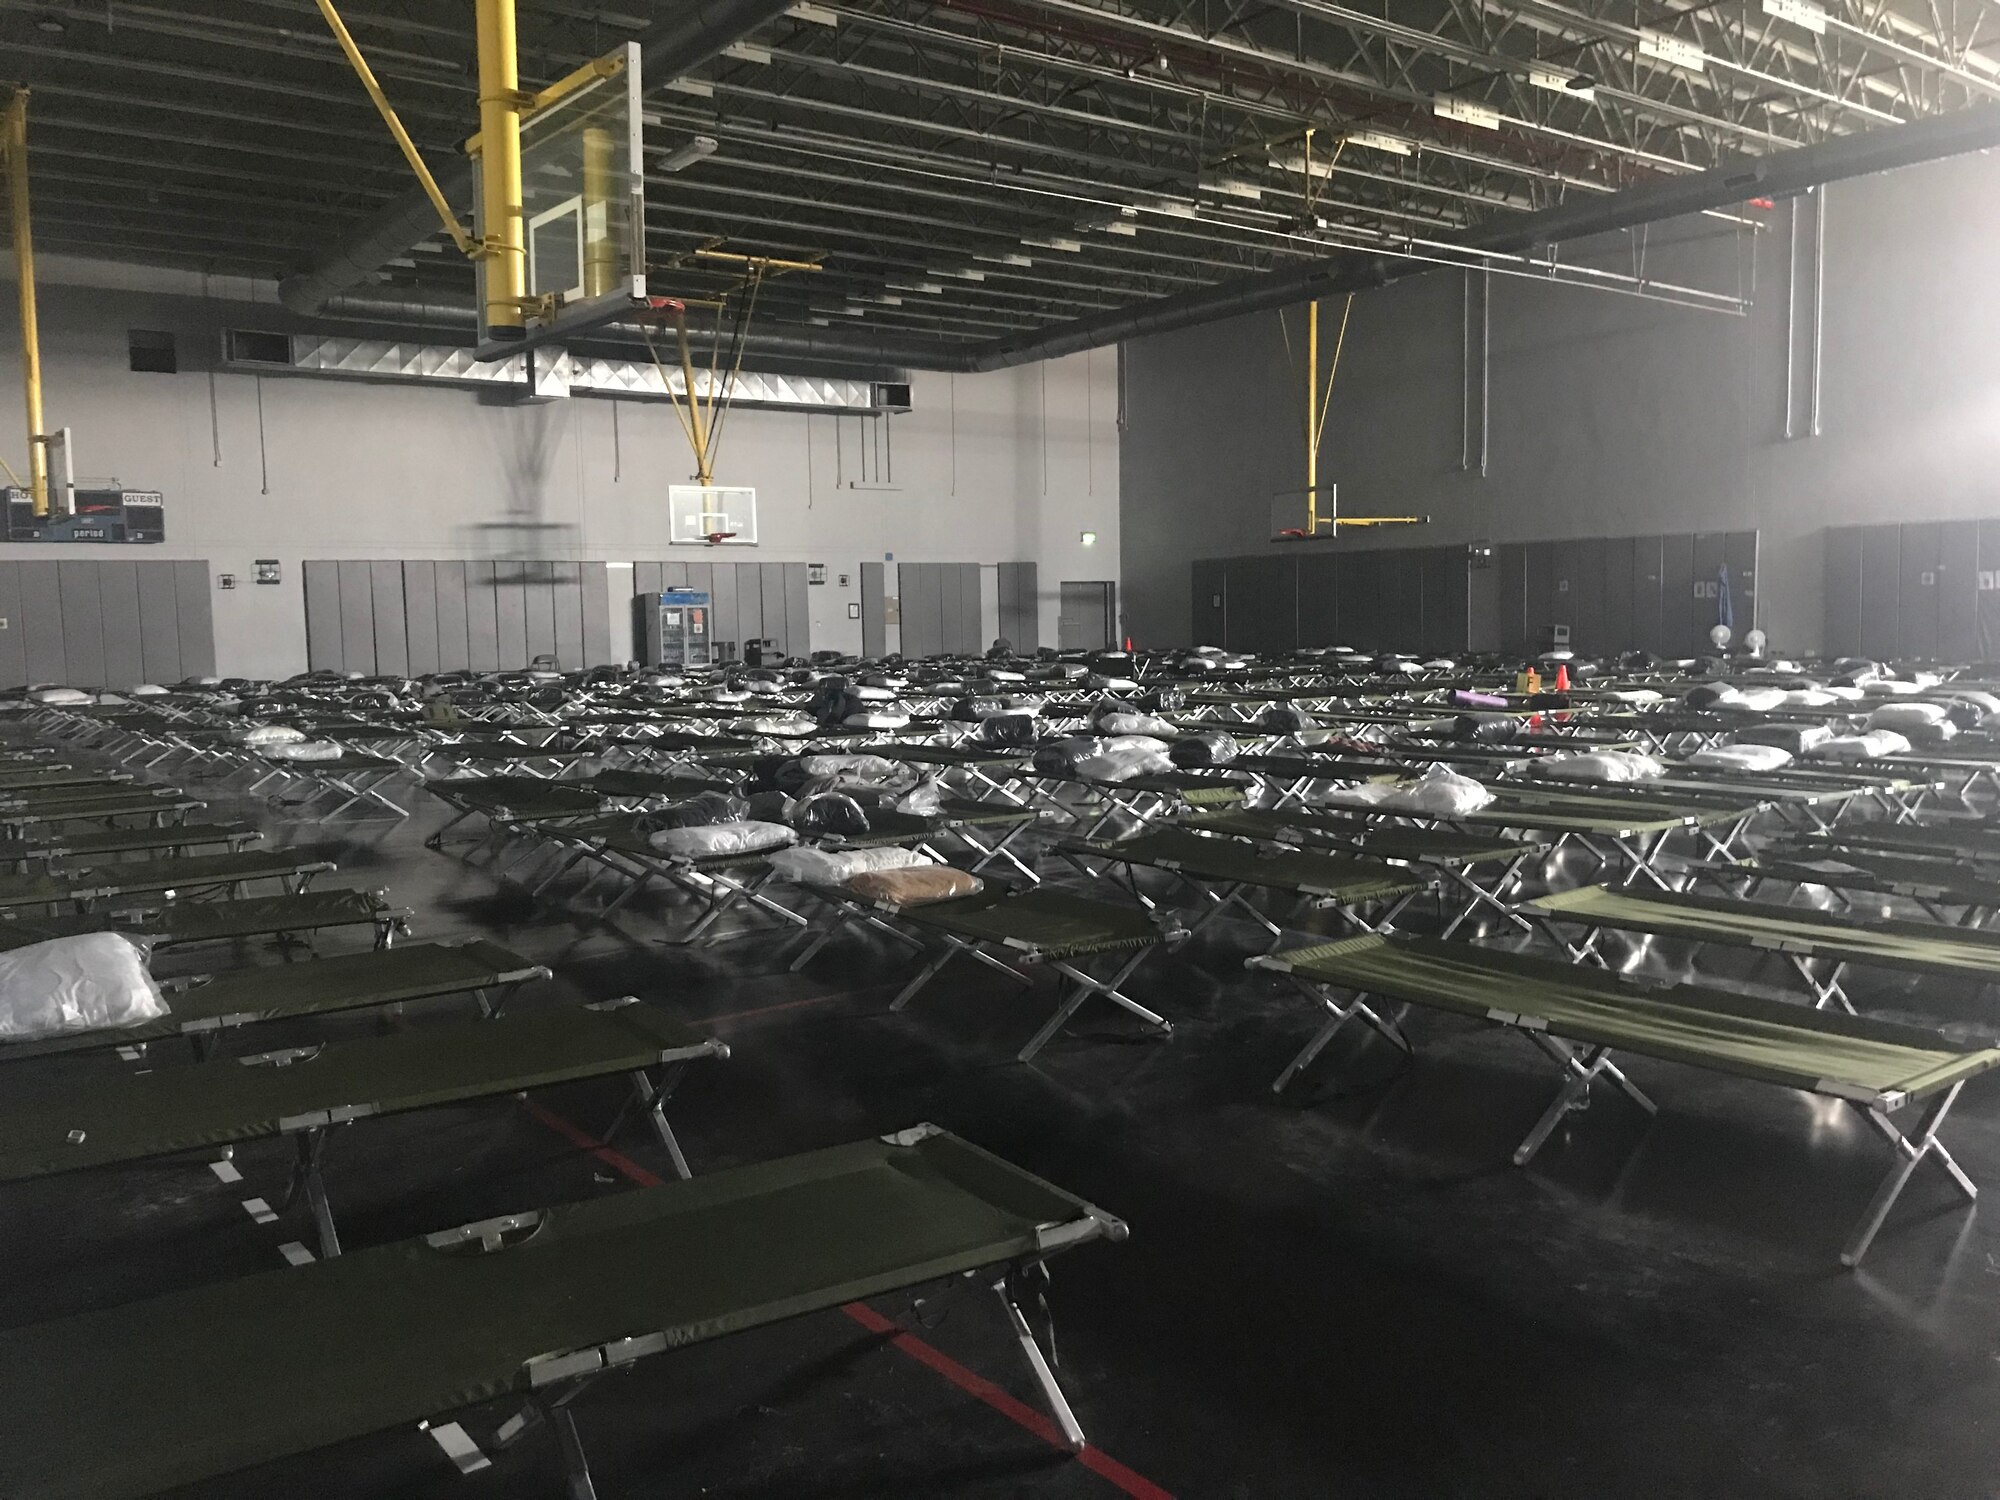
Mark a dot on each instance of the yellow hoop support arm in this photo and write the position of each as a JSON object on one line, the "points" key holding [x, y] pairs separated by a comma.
{"points": [[459, 236]]}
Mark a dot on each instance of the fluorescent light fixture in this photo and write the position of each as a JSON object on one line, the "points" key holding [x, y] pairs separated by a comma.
{"points": [[1556, 81], [963, 273], [1088, 538], [1113, 226], [1375, 140], [694, 86], [1672, 50], [1044, 242], [1799, 13], [1178, 208], [1450, 107], [817, 15], [1233, 187], [687, 153], [626, 566], [1009, 259], [928, 288], [748, 52]]}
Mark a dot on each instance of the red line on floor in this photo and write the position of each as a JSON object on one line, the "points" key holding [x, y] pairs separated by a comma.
{"points": [[978, 1386], [765, 1010]]}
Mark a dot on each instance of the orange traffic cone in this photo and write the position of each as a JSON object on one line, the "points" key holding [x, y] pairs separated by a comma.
{"points": [[1562, 677]]}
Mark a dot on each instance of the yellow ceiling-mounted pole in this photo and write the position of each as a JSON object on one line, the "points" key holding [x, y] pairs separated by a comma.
{"points": [[16, 152], [502, 227]]}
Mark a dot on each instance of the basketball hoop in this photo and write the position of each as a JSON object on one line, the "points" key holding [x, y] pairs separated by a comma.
{"points": [[717, 538]]}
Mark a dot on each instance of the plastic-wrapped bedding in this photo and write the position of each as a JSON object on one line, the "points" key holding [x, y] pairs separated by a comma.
{"points": [[1905, 717], [821, 813], [1123, 757], [1123, 723], [1367, 794], [1211, 747], [860, 770], [1741, 757], [915, 885], [1799, 739], [1610, 766], [1013, 730], [1281, 720], [702, 810], [1439, 793], [62, 696], [1871, 745], [712, 839], [1485, 729], [785, 725], [302, 750], [146, 690], [877, 718], [804, 866], [94, 982], [1633, 695], [1060, 757], [1712, 695], [1761, 699], [267, 734]]}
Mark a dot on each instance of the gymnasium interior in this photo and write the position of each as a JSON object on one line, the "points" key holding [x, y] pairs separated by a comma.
{"points": [[838, 749]]}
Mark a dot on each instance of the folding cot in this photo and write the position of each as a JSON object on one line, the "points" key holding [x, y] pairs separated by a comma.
{"points": [[1801, 935], [1457, 858], [1933, 884], [980, 765], [114, 1404], [1220, 871], [178, 877], [1036, 926], [204, 1007], [49, 847], [64, 1124], [523, 758], [354, 778], [158, 804], [508, 803], [986, 831], [1093, 805], [180, 922], [1578, 1017], [1975, 843], [36, 778]]}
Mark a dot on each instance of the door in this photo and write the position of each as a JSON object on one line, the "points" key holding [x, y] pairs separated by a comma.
{"points": [[1086, 622], [874, 611], [1840, 589], [1917, 592]]}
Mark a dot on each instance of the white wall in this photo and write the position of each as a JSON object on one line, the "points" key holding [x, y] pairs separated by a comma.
{"points": [[987, 468]]}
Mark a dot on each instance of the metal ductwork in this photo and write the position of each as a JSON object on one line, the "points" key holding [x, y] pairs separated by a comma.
{"points": [[1780, 175], [855, 350], [699, 30]]}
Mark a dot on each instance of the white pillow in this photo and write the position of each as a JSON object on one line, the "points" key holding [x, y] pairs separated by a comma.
{"points": [[721, 838], [87, 983], [802, 865], [307, 750], [268, 734], [1742, 757]]}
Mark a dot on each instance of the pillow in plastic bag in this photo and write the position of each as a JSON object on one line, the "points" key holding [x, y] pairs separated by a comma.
{"points": [[702, 810], [1633, 695], [711, 839], [1761, 700], [1797, 738], [1872, 745], [792, 726], [1008, 729], [95, 982], [824, 813], [878, 769], [924, 800], [1712, 695], [877, 719], [1485, 729], [804, 866], [1145, 724], [1904, 717], [1610, 766], [267, 734], [1211, 747], [62, 695], [146, 690], [1060, 757], [1439, 793], [1281, 720], [915, 885], [306, 750], [1741, 757]]}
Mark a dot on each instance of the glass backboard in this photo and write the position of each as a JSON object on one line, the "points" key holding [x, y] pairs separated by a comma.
{"points": [[583, 207], [712, 515]]}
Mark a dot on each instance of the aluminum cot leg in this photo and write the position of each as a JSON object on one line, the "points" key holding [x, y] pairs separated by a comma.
{"points": [[1045, 1377], [1912, 1150]]}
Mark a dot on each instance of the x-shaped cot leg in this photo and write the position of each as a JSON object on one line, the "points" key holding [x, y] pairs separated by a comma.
{"points": [[1008, 1290], [1582, 1066], [1827, 991], [1338, 1015], [1912, 1150], [1083, 986]]}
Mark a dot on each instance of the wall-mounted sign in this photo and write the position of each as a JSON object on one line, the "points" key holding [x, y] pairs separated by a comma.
{"points": [[225, 580], [845, 579], [815, 572], [853, 611], [268, 570]]}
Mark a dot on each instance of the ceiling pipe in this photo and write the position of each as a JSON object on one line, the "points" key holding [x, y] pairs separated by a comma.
{"points": [[698, 31], [1780, 175]]}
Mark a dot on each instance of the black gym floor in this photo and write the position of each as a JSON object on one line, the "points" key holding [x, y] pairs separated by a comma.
{"points": [[1345, 1293]]}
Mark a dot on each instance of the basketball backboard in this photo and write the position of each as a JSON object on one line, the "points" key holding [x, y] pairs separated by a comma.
{"points": [[711, 515], [583, 204]]}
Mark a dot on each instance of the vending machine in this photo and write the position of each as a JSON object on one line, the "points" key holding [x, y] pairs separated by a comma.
{"points": [[674, 628]]}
